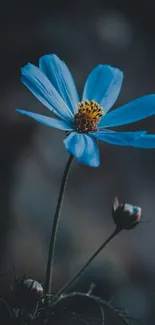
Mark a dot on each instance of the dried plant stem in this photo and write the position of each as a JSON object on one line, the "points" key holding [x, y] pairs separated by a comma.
{"points": [[102, 304]]}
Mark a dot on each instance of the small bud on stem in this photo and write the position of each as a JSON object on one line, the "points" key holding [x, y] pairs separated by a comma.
{"points": [[126, 216]]}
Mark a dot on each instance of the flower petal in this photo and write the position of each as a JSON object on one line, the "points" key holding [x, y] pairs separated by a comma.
{"points": [[103, 85], [41, 87], [84, 148], [48, 121], [134, 111], [119, 138], [147, 141], [60, 77]]}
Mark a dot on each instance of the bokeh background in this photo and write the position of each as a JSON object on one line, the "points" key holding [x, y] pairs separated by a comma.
{"points": [[84, 34]]}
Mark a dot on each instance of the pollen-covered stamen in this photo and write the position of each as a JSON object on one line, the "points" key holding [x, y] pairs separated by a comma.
{"points": [[89, 114]]}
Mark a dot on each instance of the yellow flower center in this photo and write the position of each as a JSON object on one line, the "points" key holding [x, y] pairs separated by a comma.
{"points": [[89, 114]]}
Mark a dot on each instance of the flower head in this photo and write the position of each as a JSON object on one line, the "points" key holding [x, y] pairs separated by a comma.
{"points": [[88, 116], [126, 216], [86, 121]]}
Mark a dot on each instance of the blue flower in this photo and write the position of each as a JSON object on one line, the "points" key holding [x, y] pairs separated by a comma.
{"points": [[85, 122]]}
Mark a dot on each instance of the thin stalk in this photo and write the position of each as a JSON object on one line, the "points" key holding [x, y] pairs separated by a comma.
{"points": [[75, 278], [49, 272]]}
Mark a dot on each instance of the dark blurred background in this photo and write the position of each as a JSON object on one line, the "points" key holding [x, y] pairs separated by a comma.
{"points": [[83, 33]]}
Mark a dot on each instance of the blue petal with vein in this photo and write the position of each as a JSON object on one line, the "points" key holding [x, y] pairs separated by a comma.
{"points": [[103, 85], [60, 77], [84, 148], [48, 121]]}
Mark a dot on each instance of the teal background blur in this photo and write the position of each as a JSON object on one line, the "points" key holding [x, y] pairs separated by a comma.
{"points": [[83, 34]]}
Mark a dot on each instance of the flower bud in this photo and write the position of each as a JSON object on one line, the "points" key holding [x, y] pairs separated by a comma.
{"points": [[126, 216], [33, 288], [26, 291]]}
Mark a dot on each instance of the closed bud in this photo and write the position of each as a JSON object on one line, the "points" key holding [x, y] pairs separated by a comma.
{"points": [[33, 288], [26, 291], [126, 216]]}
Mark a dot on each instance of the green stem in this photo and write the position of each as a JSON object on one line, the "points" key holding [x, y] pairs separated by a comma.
{"points": [[49, 273], [67, 286]]}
